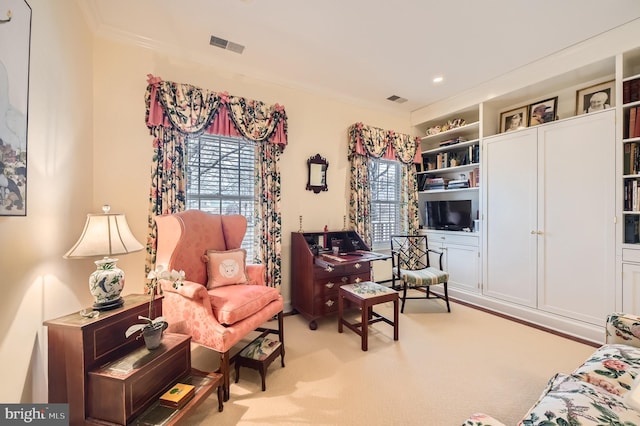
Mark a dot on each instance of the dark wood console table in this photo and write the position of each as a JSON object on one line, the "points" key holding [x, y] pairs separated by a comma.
{"points": [[317, 273], [79, 349]]}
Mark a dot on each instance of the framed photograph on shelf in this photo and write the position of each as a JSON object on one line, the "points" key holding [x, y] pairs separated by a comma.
{"points": [[543, 111], [595, 98], [514, 119]]}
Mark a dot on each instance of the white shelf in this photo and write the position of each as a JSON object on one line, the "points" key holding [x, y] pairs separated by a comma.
{"points": [[451, 132], [455, 169], [452, 147], [633, 77], [434, 191]]}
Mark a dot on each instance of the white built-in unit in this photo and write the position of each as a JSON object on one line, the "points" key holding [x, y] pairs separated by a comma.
{"points": [[558, 203], [461, 256]]}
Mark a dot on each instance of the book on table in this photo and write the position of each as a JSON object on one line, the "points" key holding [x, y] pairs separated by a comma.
{"points": [[178, 395]]}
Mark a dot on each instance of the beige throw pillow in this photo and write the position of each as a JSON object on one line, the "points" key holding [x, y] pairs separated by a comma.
{"points": [[226, 267]]}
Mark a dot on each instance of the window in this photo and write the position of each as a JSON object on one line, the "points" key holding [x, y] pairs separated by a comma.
{"points": [[220, 179], [384, 176]]}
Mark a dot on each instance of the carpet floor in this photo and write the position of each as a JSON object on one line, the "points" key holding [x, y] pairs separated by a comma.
{"points": [[444, 367]]}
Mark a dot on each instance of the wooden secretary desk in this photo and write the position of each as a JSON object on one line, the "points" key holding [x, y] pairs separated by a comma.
{"points": [[317, 273]]}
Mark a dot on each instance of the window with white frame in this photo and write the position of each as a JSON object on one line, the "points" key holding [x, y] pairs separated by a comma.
{"points": [[384, 179], [220, 179]]}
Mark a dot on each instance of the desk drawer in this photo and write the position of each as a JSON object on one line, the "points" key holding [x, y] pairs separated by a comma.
{"points": [[342, 270], [631, 255], [329, 285], [464, 239]]}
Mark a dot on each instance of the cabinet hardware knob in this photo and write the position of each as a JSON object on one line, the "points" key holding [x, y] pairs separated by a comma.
{"points": [[344, 279], [328, 269], [358, 280], [329, 284], [329, 302], [357, 266], [533, 232]]}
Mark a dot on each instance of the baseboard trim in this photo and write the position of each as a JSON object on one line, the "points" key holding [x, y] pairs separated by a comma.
{"points": [[527, 323]]}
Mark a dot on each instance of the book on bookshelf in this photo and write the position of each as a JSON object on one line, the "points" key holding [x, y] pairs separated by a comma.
{"points": [[178, 395], [631, 91]]}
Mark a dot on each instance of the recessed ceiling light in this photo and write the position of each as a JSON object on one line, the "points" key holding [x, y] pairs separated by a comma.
{"points": [[438, 79]]}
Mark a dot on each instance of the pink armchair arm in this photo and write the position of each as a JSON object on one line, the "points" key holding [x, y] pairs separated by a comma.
{"points": [[255, 274], [188, 311]]}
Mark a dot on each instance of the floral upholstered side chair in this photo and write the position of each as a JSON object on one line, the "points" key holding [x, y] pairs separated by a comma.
{"points": [[411, 265]]}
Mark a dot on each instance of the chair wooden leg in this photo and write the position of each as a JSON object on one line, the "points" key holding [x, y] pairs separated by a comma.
{"points": [[446, 297], [224, 370], [404, 297]]}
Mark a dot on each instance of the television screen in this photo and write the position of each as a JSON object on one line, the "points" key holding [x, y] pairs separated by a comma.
{"points": [[453, 215]]}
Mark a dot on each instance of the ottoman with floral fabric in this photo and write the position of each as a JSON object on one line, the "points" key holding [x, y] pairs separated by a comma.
{"points": [[602, 391]]}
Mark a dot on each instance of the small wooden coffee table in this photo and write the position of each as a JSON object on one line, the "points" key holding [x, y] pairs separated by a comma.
{"points": [[365, 295]]}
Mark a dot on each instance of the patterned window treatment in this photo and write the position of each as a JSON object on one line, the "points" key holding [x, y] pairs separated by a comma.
{"points": [[367, 142], [176, 111]]}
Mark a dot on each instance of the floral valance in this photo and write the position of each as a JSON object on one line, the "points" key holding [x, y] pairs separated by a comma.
{"points": [[193, 111], [379, 143]]}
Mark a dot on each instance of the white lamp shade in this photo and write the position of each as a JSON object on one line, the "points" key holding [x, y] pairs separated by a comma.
{"points": [[104, 235]]}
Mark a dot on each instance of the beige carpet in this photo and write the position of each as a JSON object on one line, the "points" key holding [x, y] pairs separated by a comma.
{"points": [[443, 368]]}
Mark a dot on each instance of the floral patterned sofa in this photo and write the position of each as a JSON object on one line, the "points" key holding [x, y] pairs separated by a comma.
{"points": [[602, 391]]}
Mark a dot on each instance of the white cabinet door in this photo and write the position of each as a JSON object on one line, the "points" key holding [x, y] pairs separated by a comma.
{"points": [[576, 210], [460, 257], [463, 264], [631, 288], [510, 193]]}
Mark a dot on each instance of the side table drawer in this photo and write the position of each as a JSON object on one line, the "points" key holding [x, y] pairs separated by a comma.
{"points": [[139, 378]]}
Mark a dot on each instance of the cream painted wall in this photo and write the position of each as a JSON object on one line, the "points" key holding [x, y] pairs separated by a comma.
{"points": [[88, 145], [37, 283], [316, 124]]}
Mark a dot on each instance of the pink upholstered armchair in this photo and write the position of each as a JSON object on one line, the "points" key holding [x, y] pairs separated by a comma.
{"points": [[215, 313]]}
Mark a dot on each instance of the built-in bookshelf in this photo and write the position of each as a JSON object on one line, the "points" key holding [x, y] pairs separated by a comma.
{"points": [[631, 148], [450, 160]]}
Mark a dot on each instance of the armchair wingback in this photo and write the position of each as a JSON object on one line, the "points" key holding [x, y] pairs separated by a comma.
{"points": [[217, 317]]}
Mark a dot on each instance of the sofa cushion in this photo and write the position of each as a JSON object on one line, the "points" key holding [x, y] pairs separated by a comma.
{"points": [[612, 367], [570, 401], [234, 303], [226, 267]]}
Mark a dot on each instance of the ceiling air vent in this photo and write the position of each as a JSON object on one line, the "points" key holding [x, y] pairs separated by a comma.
{"points": [[226, 44], [397, 99]]}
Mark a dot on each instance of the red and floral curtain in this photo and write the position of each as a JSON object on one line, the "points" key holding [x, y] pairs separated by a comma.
{"points": [[367, 142], [176, 111]]}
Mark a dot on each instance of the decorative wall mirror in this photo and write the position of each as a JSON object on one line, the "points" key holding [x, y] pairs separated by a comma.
{"points": [[317, 178]]}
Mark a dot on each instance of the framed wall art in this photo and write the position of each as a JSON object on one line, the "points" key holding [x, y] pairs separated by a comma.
{"points": [[15, 43], [513, 120], [595, 98], [543, 111]]}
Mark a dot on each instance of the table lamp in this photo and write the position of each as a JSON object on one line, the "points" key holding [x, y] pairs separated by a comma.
{"points": [[105, 234]]}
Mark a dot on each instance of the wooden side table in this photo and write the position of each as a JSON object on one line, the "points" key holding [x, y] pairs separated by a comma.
{"points": [[365, 295], [77, 345]]}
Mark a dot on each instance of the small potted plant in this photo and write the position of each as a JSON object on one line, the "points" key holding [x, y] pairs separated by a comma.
{"points": [[152, 328]]}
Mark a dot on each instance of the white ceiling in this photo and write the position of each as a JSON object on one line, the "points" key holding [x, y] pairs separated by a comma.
{"points": [[362, 50]]}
